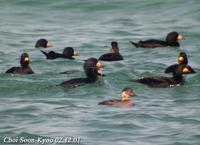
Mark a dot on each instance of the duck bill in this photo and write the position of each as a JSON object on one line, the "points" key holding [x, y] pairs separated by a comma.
{"points": [[125, 96], [132, 94], [180, 59], [180, 37], [99, 72], [75, 53], [99, 65], [186, 70], [26, 59], [49, 44]]}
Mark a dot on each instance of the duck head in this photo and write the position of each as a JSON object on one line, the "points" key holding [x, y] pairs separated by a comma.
{"points": [[115, 48], [173, 37], [182, 58], [127, 93], [43, 43], [24, 59], [186, 69], [92, 68], [69, 52]]}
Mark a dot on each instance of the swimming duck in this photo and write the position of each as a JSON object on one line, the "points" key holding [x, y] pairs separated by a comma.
{"points": [[163, 82], [43, 43], [25, 68], [182, 61], [125, 100], [92, 70], [171, 40], [68, 52], [114, 55]]}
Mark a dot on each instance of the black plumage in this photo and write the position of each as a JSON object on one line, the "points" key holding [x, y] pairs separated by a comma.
{"points": [[91, 68], [163, 82], [68, 53], [114, 55], [24, 68], [42, 43], [171, 40]]}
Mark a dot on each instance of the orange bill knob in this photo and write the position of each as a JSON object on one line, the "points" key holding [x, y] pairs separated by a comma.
{"points": [[180, 59], [26, 59], [49, 44], [75, 53], [180, 37], [185, 70]]}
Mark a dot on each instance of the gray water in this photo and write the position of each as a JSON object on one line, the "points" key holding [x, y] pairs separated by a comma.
{"points": [[30, 108]]}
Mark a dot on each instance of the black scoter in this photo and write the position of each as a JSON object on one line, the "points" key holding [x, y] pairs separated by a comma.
{"points": [[25, 68], [164, 82], [171, 40], [92, 70], [43, 43], [182, 61], [114, 55], [68, 53]]}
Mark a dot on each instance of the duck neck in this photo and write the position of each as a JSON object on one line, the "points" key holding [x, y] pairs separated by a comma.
{"points": [[179, 78], [25, 66], [114, 50], [65, 56], [91, 78]]}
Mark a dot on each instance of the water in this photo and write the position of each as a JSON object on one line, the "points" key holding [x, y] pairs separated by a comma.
{"points": [[29, 108]]}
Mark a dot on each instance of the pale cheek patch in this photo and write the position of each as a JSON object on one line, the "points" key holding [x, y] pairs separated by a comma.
{"points": [[124, 95]]}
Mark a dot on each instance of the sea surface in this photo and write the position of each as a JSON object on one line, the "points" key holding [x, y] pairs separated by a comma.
{"points": [[32, 107]]}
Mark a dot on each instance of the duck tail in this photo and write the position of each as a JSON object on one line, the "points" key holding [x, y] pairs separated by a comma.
{"points": [[103, 103], [135, 44], [46, 54]]}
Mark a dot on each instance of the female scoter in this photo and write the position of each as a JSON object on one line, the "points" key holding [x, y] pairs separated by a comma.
{"points": [[163, 82], [91, 68], [114, 55], [68, 52], [43, 43], [171, 40], [125, 100], [182, 61], [25, 68]]}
